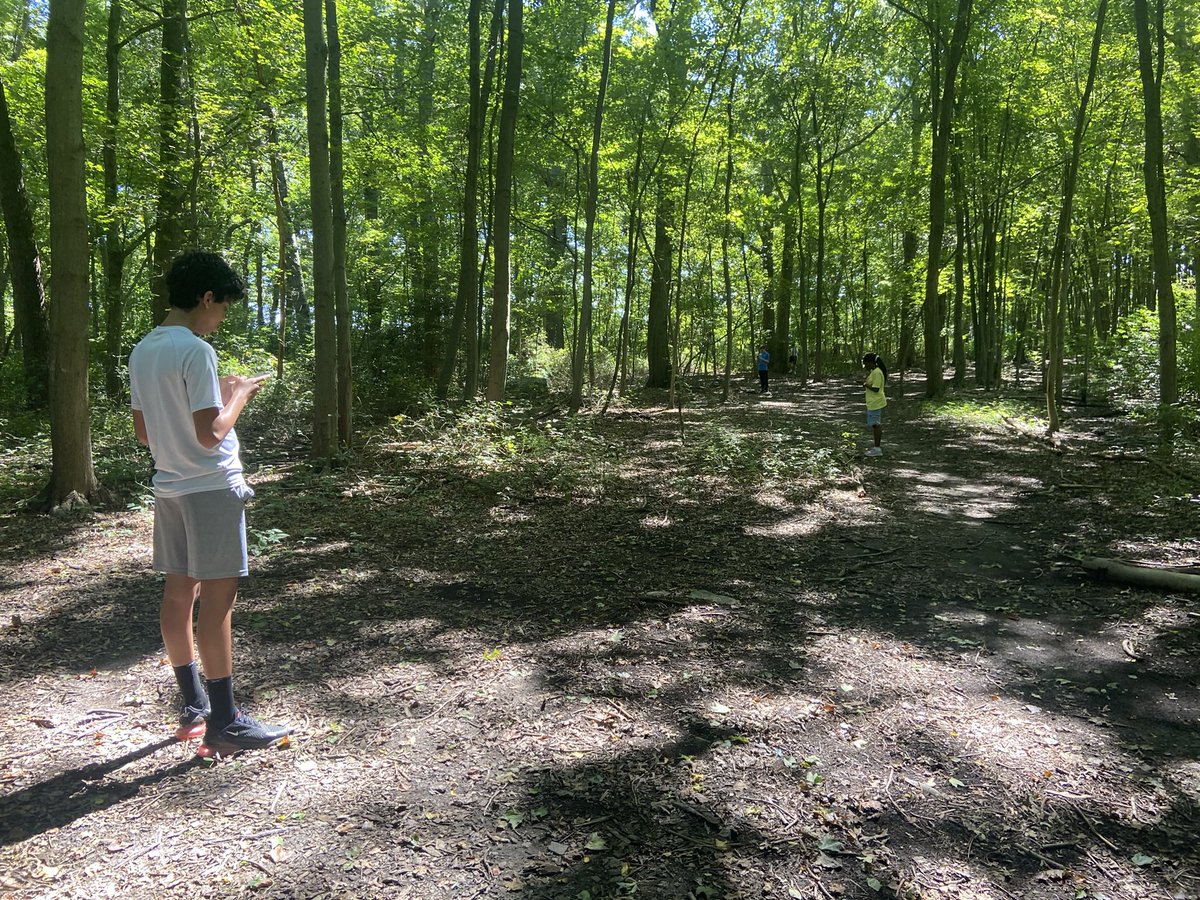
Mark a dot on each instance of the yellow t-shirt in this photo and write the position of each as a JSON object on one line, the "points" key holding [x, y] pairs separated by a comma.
{"points": [[875, 399]]}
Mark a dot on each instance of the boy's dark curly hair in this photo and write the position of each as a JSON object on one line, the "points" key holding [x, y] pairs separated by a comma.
{"points": [[194, 272]]}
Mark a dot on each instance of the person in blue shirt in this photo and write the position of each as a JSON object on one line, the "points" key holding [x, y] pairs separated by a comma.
{"points": [[764, 362]]}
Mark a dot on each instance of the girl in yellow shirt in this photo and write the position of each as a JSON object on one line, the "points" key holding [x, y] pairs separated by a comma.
{"points": [[876, 398]]}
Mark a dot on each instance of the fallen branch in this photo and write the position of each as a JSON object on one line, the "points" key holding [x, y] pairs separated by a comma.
{"points": [[1164, 579]]}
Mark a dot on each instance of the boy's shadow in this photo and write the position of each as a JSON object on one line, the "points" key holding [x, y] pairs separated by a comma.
{"points": [[73, 794]]}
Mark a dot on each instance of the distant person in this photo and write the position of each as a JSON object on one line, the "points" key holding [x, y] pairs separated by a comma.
{"points": [[876, 398], [764, 363], [185, 415], [792, 360]]}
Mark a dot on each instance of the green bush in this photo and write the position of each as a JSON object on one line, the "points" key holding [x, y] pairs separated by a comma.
{"points": [[1135, 375]]}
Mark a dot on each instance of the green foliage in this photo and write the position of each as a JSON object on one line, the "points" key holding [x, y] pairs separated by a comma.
{"points": [[495, 440], [122, 464], [715, 448], [1134, 373], [262, 541], [985, 413]]}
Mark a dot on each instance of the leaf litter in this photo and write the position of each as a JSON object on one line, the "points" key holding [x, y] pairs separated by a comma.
{"points": [[575, 659]]}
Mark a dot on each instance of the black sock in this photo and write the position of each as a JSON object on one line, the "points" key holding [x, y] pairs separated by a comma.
{"points": [[190, 685], [220, 695]]}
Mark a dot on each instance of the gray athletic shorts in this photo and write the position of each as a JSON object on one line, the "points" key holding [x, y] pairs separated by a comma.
{"points": [[202, 535]]}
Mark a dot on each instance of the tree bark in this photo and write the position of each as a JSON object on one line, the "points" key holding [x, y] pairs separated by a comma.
{"points": [[1156, 201], [29, 301], [502, 242], [725, 228], [1059, 260], [113, 250], [324, 331], [468, 255], [658, 347], [72, 478], [943, 117], [427, 299], [337, 189], [589, 219], [172, 139]]}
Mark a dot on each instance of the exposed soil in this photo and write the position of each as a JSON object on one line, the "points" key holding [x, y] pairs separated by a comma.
{"points": [[632, 674]]}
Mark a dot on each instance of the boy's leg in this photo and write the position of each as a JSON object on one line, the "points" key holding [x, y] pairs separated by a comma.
{"points": [[229, 730], [878, 431], [214, 635], [175, 618], [214, 639]]}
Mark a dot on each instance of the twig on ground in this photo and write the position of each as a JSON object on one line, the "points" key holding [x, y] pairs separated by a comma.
{"points": [[887, 789]]}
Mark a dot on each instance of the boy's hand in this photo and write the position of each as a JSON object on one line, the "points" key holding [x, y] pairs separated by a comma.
{"points": [[246, 386]]}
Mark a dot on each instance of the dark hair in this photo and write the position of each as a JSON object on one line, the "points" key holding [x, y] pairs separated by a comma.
{"points": [[876, 360], [195, 272]]}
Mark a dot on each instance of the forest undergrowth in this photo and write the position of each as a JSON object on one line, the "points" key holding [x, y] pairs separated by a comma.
{"points": [[708, 653]]}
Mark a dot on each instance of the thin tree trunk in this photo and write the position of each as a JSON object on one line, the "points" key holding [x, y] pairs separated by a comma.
{"points": [[583, 342], [1156, 201], [942, 121], [113, 248], [337, 188], [325, 331], [502, 241], [658, 348], [631, 243], [29, 302], [725, 227], [1059, 261], [469, 245], [474, 322], [426, 297]]}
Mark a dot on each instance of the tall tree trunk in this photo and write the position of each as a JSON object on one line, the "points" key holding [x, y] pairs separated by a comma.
{"points": [[943, 117], [114, 252], [29, 302], [658, 347], [337, 190], [325, 331], [1059, 260], [474, 323], [818, 357], [624, 338], [589, 219], [426, 296], [72, 478], [959, 347], [293, 293], [726, 206], [1156, 201], [502, 242], [468, 255], [787, 268], [172, 141]]}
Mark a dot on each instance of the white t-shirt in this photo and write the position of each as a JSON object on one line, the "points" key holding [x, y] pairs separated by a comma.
{"points": [[172, 373]]}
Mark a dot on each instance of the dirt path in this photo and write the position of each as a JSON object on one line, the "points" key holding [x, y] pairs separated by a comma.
{"points": [[634, 669]]}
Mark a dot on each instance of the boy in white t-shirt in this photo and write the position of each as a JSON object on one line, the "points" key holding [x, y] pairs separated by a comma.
{"points": [[185, 415]]}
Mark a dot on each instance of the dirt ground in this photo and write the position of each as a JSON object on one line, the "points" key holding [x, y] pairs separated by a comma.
{"points": [[638, 671]]}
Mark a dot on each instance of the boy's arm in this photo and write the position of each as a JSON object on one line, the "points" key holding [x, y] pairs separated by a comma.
{"points": [[139, 428], [213, 425]]}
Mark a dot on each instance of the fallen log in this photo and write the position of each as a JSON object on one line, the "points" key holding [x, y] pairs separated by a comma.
{"points": [[1164, 579]]}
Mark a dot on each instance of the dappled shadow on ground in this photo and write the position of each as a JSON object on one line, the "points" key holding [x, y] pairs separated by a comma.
{"points": [[661, 679], [57, 802]]}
